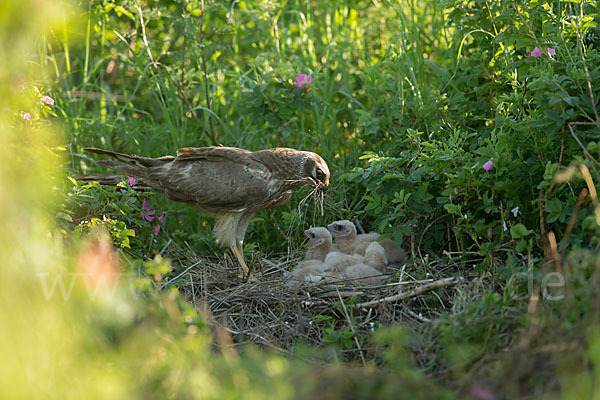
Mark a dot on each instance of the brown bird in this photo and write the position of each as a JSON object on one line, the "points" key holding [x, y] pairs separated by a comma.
{"points": [[227, 183]]}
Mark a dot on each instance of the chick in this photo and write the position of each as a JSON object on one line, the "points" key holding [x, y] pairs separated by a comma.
{"points": [[319, 243], [367, 274], [347, 241], [375, 257], [393, 252], [309, 270], [338, 262]]}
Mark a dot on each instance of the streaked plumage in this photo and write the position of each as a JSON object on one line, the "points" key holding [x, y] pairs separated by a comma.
{"points": [[227, 183]]}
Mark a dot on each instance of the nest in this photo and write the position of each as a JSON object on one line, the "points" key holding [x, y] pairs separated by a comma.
{"points": [[278, 312]]}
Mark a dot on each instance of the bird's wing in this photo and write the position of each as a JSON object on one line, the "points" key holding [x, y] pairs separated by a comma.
{"points": [[214, 178]]}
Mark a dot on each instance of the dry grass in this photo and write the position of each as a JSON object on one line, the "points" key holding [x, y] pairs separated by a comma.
{"points": [[279, 312]]}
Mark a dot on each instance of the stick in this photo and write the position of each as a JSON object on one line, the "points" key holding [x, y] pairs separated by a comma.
{"points": [[413, 293]]}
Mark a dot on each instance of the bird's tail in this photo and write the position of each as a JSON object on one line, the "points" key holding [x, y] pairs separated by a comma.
{"points": [[108, 180], [129, 159], [127, 165]]}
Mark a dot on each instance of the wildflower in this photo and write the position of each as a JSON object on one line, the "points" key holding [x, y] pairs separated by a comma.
{"points": [[301, 79], [25, 116], [156, 229], [148, 215], [136, 232], [131, 181], [536, 52], [47, 100], [481, 392], [550, 51], [161, 217], [98, 260], [488, 165]]}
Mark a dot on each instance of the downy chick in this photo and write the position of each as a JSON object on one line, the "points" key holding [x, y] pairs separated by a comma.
{"points": [[347, 241], [337, 261], [375, 257], [309, 270], [367, 274], [319, 243]]}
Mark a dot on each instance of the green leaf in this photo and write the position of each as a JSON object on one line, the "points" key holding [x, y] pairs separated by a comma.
{"points": [[519, 231], [452, 208]]}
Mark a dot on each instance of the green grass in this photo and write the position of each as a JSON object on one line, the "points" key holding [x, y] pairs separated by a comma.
{"points": [[408, 100]]}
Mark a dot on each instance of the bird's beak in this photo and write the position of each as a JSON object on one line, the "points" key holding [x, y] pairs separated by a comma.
{"points": [[324, 188]]}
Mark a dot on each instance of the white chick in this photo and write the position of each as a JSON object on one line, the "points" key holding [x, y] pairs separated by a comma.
{"points": [[375, 257], [309, 270], [368, 274], [347, 241], [337, 261], [319, 243]]}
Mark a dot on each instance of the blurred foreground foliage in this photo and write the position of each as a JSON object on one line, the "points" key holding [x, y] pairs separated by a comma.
{"points": [[407, 102]]}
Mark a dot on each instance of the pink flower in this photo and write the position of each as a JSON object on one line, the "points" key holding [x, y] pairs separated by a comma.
{"points": [[47, 100], [161, 217], [482, 393], [488, 165], [536, 52], [131, 181], [156, 229], [301, 79], [551, 52], [25, 116], [136, 231], [148, 216]]}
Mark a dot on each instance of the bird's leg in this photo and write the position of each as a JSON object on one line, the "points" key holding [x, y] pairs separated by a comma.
{"points": [[249, 276], [239, 254], [240, 232]]}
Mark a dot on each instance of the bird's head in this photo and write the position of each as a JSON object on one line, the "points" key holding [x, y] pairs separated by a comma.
{"points": [[317, 236], [342, 229], [316, 171]]}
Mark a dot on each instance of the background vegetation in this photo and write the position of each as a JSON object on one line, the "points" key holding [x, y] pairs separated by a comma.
{"points": [[408, 102]]}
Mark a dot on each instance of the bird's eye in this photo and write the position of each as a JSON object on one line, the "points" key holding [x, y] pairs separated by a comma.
{"points": [[320, 175]]}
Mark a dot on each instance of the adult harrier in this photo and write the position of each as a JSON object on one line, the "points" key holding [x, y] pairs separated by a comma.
{"points": [[227, 183]]}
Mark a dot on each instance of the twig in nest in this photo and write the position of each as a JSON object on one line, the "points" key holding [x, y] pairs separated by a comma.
{"points": [[413, 293]]}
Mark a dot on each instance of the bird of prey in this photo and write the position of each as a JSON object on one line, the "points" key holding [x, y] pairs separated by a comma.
{"points": [[227, 183]]}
